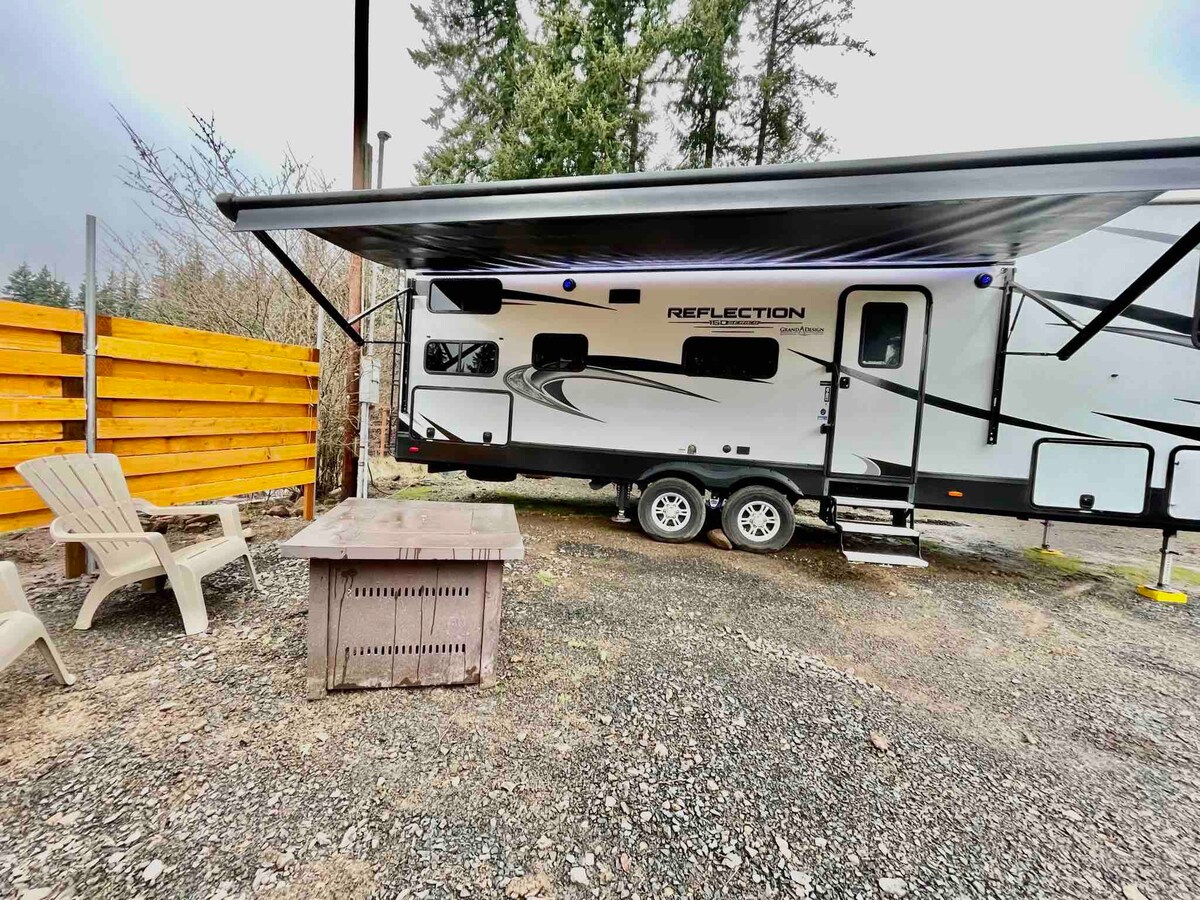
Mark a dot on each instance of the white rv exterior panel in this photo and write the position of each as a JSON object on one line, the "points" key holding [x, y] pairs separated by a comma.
{"points": [[460, 414], [1184, 500], [1114, 475]]}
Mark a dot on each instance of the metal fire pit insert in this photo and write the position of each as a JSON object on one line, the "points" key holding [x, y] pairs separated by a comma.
{"points": [[404, 593]]}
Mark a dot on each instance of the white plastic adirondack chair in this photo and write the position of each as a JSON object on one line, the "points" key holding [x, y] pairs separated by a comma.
{"points": [[20, 629], [89, 495]]}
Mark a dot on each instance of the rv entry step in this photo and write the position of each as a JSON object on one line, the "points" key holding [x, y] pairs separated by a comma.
{"points": [[877, 533]]}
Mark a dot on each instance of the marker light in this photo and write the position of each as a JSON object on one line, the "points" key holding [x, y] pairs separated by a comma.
{"points": [[982, 280], [954, 493], [414, 449], [568, 284]]}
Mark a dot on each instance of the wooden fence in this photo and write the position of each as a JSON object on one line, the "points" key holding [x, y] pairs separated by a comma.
{"points": [[193, 415]]}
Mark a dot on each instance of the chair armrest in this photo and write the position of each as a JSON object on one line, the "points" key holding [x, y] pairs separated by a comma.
{"points": [[231, 523], [62, 536]]}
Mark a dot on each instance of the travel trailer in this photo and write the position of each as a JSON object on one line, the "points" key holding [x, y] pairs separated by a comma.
{"points": [[1001, 333]]}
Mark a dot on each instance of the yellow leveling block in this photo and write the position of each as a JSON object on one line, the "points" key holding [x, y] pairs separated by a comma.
{"points": [[1046, 551], [1162, 595]]}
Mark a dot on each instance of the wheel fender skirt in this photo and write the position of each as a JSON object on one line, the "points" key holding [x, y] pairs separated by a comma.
{"points": [[718, 477]]}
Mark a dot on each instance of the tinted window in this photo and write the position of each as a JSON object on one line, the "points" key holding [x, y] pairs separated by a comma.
{"points": [[730, 357], [461, 357], [882, 343], [480, 296], [560, 352]]}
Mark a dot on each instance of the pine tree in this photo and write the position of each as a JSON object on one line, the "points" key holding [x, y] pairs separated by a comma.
{"points": [[707, 49], [777, 118], [18, 286], [478, 48]]}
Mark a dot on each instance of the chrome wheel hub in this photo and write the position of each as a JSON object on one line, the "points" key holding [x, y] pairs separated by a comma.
{"points": [[671, 511]]}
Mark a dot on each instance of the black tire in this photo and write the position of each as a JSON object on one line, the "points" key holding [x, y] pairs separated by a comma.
{"points": [[670, 500], [768, 525]]}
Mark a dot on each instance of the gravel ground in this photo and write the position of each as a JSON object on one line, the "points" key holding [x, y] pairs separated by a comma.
{"points": [[669, 721]]}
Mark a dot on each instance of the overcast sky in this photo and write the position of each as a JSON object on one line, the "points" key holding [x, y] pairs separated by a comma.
{"points": [[948, 75]]}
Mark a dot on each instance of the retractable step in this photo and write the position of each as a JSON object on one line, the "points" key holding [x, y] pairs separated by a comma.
{"points": [[884, 559], [881, 539], [872, 503]]}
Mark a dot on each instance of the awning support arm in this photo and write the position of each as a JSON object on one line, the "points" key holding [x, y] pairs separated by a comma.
{"points": [[311, 289], [1129, 296], [1050, 307], [382, 303]]}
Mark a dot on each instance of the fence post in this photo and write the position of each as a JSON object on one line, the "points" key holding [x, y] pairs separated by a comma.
{"points": [[76, 561]]}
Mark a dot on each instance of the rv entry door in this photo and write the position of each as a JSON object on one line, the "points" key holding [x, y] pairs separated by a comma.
{"points": [[879, 384]]}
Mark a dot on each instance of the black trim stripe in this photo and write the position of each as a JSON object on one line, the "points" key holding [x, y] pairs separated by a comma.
{"points": [[942, 403], [1148, 315], [1191, 432]]}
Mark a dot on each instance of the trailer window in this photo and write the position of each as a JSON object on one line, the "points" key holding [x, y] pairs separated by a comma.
{"points": [[881, 345], [479, 296], [560, 352], [461, 357], [740, 358]]}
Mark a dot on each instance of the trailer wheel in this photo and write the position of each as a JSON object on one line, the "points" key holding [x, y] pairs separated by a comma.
{"points": [[671, 510], [758, 519]]}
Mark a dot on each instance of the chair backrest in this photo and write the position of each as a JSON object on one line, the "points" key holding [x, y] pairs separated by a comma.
{"points": [[88, 493], [12, 595]]}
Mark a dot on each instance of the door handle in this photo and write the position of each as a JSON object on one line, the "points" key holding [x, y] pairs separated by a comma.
{"points": [[843, 382]]}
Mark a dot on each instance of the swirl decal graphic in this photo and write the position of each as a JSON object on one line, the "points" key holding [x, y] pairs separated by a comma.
{"points": [[545, 386]]}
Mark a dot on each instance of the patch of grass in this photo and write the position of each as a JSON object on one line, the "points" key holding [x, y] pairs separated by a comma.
{"points": [[1068, 565], [545, 578], [413, 492], [1148, 574]]}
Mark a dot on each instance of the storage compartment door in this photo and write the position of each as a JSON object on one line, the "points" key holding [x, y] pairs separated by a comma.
{"points": [[461, 414], [1083, 476], [1183, 502]]}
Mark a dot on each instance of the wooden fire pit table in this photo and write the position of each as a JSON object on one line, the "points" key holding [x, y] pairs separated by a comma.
{"points": [[404, 593]]}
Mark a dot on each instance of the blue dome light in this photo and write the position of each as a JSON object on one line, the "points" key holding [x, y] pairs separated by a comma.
{"points": [[982, 280], [568, 284]]}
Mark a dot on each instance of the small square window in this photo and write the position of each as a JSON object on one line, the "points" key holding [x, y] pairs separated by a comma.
{"points": [[881, 341], [560, 352], [461, 357]]}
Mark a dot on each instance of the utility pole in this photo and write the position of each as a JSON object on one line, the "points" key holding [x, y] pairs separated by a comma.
{"points": [[359, 176]]}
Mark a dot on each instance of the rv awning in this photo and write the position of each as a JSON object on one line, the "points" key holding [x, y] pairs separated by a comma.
{"points": [[961, 209]]}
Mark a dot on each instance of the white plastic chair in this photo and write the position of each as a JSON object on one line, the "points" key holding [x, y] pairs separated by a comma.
{"points": [[20, 629], [89, 495]]}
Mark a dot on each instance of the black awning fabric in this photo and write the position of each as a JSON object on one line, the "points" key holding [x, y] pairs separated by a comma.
{"points": [[965, 209]]}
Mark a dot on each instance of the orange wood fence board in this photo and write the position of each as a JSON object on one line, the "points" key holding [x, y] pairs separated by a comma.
{"points": [[146, 389], [30, 431], [34, 362], [13, 453], [151, 463], [189, 409], [127, 447], [230, 488], [154, 371], [30, 339], [45, 318], [154, 332], [30, 386], [124, 348], [117, 428], [41, 409]]}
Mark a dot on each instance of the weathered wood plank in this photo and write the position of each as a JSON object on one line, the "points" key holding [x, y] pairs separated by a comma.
{"points": [[43, 318], [30, 386], [31, 431], [230, 488], [32, 362], [146, 389], [187, 409], [124, 348], [155, 332], [26, 520], [139, 485], [19, 500], [166, 372], [11, 454], [126, 447], [118, 428], [152, 463], [41, 409], [29, 339]]}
